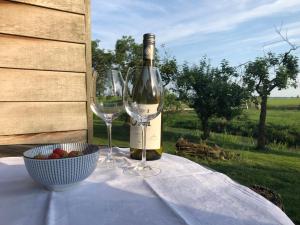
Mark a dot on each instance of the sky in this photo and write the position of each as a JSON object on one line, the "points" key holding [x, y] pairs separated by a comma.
{"points": [[236, 30]]}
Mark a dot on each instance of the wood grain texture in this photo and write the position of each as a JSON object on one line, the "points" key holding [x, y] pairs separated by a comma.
{"points": [[38, 117], [35, 85], [14, 150], [30, 53], [45, 138], [32, 21], [76, 6], [88, 50]]}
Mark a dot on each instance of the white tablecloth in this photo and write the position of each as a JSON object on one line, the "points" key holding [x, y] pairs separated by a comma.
{"points": [[184, 193]]}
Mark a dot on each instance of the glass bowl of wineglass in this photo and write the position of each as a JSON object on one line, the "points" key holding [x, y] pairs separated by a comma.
{"points": [[107, 103], [143, 101]]}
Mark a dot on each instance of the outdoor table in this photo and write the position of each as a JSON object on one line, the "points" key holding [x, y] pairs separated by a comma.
{"points": [[183, 193]]}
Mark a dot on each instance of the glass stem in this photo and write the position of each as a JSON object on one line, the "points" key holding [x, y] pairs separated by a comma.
{"points": [[144, 129], [109, 154]]}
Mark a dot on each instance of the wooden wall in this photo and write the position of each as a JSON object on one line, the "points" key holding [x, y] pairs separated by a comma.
{"points": [[45, 71]]}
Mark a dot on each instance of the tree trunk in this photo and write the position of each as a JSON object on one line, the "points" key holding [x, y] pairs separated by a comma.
{"points": [[205, 128], [261, 140]]}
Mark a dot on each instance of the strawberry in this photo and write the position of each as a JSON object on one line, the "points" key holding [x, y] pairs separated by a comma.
{"points": [[62, 153], [57, 149], [74, 153], [54, 156]]}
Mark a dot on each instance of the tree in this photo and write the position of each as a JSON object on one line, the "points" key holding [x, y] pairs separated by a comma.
{"points": [[211, 91], [168, 67], [263, 75], [171, 104], [128, 53], [100, 58]]}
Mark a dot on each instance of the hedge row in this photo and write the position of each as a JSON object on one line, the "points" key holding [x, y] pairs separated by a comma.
{"points": [[275, 133]]}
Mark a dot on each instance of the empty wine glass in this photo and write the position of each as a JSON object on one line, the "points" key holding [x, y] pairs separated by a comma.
{"points": [[107, 103], [143, 101]]}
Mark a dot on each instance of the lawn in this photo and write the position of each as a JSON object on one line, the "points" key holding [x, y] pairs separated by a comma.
{"points": [[278, 168], [277, 117], [284, 103]]}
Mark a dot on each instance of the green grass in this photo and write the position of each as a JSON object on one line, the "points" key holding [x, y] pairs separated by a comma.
{"points": [[283, 126], [278, 168], [276, 117], [281, 103], [289, 118]]}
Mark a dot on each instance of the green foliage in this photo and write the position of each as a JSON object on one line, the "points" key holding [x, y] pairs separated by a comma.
{"points": [[211, 91], [168, 68], [171, 102], [101, 59], [263, 75], [270, 71], [282, 126], [128, 53]]}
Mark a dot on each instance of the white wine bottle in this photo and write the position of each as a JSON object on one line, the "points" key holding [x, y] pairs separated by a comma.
{"points": [[146, 102]]}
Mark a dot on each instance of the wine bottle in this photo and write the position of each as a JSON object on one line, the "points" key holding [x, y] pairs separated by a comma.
{"points": [[148, 102]]}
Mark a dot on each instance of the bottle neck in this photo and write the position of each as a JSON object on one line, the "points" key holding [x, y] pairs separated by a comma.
{"points": [[148, 54]]}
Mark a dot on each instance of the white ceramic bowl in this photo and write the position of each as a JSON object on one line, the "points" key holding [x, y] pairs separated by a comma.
{"points": [[61, 174]]}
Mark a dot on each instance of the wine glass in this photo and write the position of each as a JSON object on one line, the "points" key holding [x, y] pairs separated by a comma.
{"points": [[107, 103], [143, 101]]}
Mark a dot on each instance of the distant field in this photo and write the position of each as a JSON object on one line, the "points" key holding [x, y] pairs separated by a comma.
{"points": [[277, 117], [284, 103]]}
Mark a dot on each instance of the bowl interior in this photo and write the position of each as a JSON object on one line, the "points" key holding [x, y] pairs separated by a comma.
{"points": [[47, 150]]}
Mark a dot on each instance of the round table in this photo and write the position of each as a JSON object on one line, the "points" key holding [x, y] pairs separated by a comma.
{"points": [[183, 193]]}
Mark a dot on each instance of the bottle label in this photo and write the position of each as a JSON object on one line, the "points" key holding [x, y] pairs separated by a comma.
{"points": [[153, 132]]}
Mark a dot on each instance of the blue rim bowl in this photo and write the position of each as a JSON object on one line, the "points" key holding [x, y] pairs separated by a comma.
{"points": [[61, 174]]}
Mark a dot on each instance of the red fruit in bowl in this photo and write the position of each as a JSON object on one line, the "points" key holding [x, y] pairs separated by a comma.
{"points": [[62, 153], [54, 156], [74, 153], [57, 149]]}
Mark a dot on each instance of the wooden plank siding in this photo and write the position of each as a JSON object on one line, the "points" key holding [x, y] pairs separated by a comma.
{"points": [[75, 6], [35, 117], [45, 138], [44, 85], [45, 71], [40, 22], [30, 53]]}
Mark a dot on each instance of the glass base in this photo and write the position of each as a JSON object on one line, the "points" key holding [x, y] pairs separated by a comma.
{"points": [[111, 162], [143, 170]]}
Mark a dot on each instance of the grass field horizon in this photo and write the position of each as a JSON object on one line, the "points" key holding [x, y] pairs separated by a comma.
{"points": [[278, 168]]}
